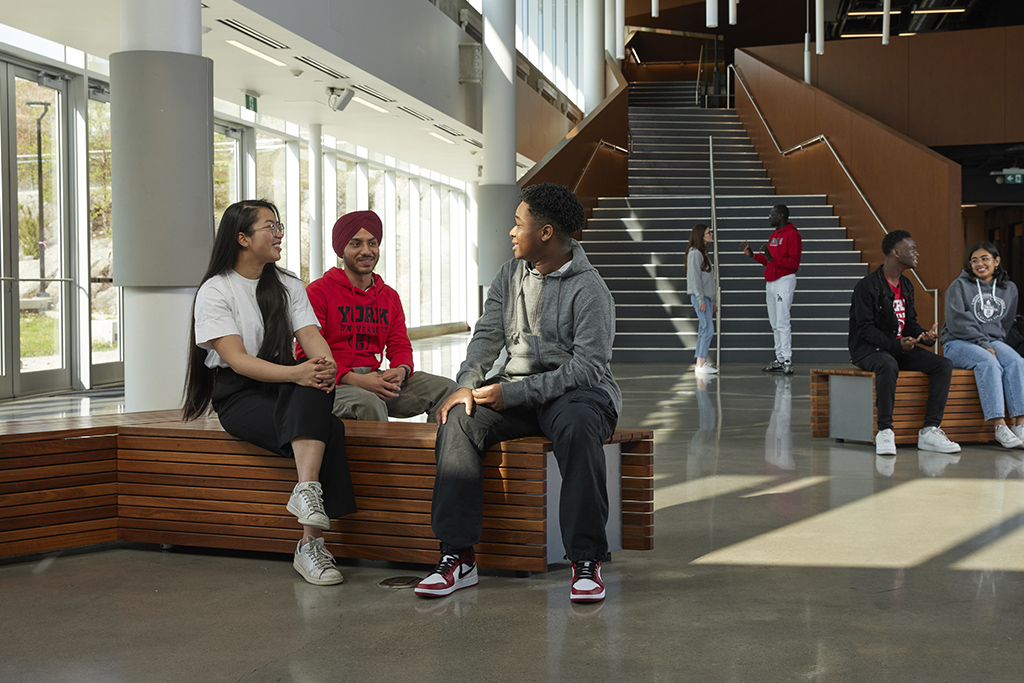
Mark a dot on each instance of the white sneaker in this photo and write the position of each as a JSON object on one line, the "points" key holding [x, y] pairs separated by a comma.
{"points": [[316, 564], [307, 503], [1006, 437], [934, 439], [1018, 431], [707, 368], [885, 442]]}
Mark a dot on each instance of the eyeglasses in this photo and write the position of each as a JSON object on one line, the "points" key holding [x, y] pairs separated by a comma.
{"points": [[276, 229], [983, 259]]}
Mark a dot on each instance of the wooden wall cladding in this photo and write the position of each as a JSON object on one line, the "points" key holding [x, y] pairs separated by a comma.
{"points": [[608, 175], [949, 88], [909, 186]]}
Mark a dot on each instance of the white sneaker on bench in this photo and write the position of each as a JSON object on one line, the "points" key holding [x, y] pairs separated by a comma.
{"points": [[307, 503], [934, 439], [885, 442]]}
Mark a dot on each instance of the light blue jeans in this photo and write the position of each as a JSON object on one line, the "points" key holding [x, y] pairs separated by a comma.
{"points": [[705, 327], [1000, 378]]}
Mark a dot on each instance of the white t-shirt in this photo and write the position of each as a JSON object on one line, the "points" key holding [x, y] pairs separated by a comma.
{"points": [[226, 304]]}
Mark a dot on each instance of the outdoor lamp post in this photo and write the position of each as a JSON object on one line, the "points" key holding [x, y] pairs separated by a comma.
{"points": [[39, 168]]}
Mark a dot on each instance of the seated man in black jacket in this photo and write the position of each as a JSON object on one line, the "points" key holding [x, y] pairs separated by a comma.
{"points": [[884, 334]]}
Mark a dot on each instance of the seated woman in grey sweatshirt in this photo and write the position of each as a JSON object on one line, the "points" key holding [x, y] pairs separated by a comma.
{"points": [[981, 305]]}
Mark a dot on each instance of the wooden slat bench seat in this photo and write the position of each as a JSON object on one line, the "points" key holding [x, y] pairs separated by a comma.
{"points": [[58, 481], [843, 406], [192, 484]]}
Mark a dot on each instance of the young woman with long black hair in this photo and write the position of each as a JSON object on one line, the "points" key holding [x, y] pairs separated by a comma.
{"points": [[247, 315]]}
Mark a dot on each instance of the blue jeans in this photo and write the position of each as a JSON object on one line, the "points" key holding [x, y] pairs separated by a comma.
{"points": [[705, 327], [1000, 378]]}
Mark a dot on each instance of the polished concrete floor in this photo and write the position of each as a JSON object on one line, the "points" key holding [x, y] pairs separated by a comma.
{"points": [[777, 557]]}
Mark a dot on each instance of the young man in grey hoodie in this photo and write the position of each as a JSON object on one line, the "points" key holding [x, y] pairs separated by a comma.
{"points": [[549, 309]]}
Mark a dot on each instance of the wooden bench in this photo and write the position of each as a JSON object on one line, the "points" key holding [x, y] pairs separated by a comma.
{"points": [[843, 406], [192, 484]]}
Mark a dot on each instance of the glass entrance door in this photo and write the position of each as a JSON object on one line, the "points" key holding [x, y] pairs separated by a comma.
{"points": [[37, 327]]}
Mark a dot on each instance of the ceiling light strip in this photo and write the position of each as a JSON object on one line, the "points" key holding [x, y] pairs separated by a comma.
{"points": [[255, 53], [412, 112]]}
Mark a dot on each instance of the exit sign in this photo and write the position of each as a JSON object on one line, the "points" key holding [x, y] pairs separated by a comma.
{"points": [[250, 102], [1015, 178]]}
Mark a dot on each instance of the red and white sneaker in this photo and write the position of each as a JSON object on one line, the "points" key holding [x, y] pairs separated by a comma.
{"points": [[587, 585], [452, 573]]}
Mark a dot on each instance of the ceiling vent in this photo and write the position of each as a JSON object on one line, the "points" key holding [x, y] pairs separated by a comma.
{"points": [[475, 143], [254, 34], [413, 112], [373, 93], [448, 129], [321, 67]]}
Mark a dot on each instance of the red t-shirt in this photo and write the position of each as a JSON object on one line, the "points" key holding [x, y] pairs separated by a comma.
{"points": [[899, 306]]}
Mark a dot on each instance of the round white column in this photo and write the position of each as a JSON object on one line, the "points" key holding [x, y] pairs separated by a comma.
{"points": [[156, 318], [316, 201], [593, 54], [498, 195]]}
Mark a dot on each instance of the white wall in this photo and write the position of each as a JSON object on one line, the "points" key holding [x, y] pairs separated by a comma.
{"points": [[409, 44]]}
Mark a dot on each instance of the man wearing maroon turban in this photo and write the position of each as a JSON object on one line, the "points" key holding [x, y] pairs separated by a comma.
{"points": [[363, 321]]}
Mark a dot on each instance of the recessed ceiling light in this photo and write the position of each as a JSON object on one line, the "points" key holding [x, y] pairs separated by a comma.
{"points": [[255, 53], [440, 137], [370, 105], [949, 10]]}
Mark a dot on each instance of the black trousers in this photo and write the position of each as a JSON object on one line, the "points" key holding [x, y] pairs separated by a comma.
{"points": [[887, 370], [272, 415], [577, 424]]}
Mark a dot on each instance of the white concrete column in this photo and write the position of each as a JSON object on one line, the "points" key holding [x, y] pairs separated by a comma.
{"points": [[498, 191], [593, 54], [157, 318], [609, 26], [316, 201], [620, 29]]}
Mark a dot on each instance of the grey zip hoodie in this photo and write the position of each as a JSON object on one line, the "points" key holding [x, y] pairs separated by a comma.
{"points": [[978, 312], [558, 333]]}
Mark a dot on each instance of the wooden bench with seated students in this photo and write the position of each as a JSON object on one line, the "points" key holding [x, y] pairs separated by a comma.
{"points": [[148, 477], [843, 406]]}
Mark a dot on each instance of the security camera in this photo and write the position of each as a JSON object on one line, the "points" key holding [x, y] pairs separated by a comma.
{"points": [[338, 98]]}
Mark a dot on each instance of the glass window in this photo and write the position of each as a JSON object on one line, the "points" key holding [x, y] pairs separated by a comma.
{"points": [[378, 203], [40, 226], [304, 213], [104, 297], [272, 175], [226, 160], [445, 262], [427, 264], [403, 249]]}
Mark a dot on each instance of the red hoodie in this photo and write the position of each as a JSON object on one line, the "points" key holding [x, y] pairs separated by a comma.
{"points": [[785, 246], [359, 326]]}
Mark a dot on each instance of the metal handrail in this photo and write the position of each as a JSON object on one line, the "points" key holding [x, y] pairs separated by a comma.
{"points": [[600, 143], [714, 246], [700, 70], [823, 139]]}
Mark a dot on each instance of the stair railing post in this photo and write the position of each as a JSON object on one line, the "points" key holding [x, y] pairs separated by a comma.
{"points": [[714, 246]]}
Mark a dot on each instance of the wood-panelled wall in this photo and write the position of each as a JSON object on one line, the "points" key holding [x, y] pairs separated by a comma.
{"points": [[608, 175], [910, 187], [952, 88]]}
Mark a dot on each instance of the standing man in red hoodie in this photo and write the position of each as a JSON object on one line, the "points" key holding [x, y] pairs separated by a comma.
{"points": [[362, 320], [781, 259]]}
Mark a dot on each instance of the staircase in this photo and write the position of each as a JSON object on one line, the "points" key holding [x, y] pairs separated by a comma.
{"points": [[639, 243]]}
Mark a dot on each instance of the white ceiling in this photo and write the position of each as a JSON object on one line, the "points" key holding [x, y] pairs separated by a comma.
{"points": [[295, 93]]}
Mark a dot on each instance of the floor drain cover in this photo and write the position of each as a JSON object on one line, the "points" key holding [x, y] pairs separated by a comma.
{"points": [[400, 582]]}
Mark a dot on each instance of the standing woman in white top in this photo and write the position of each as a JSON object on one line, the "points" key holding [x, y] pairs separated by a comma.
{"points": [[247, 315], [700, 285]]}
